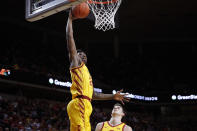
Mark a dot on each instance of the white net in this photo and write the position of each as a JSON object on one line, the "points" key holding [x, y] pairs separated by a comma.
{"points": [[104, 12]]}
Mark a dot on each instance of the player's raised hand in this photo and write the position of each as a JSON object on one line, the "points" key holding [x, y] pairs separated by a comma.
{"points": [[119, 96], [71, 16]]}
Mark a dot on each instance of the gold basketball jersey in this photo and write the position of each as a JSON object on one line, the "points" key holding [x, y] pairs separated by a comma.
{"points": [[81, 82], [108, 127]]}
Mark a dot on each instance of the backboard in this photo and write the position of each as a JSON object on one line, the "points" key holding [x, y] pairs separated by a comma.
{"points": [[38, 9]]}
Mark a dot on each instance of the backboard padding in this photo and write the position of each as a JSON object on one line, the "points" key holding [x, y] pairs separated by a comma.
{"points": [[39, 9]]}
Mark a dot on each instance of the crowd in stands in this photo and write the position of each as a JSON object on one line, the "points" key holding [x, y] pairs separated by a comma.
{"points": [[31, 114]]}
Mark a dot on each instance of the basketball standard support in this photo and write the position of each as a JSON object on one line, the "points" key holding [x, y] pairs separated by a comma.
{"points": [[39, 9]]}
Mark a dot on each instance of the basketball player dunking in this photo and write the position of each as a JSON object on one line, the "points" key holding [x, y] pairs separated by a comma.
{"points": [[79, 108], [115, 123]]}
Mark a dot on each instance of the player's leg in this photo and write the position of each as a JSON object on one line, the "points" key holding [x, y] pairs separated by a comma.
{"points": [[88, 113], [88, 126], [76, 115], [77, 128]]}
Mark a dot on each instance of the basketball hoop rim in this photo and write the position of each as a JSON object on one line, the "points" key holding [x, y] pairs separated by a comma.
{"points": [[98, 2]]}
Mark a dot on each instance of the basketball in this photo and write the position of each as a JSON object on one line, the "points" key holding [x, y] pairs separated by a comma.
{"points": [[81, 11]]}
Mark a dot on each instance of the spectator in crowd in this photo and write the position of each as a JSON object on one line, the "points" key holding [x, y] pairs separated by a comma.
{"points": [[27, 114]]}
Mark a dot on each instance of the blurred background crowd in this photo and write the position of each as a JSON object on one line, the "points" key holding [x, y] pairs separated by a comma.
{"points": [[36, 114]]}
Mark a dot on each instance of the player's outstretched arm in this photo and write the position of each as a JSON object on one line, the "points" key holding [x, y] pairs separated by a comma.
{"points": [[99, 126], [117, 96], [73, 57]]}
